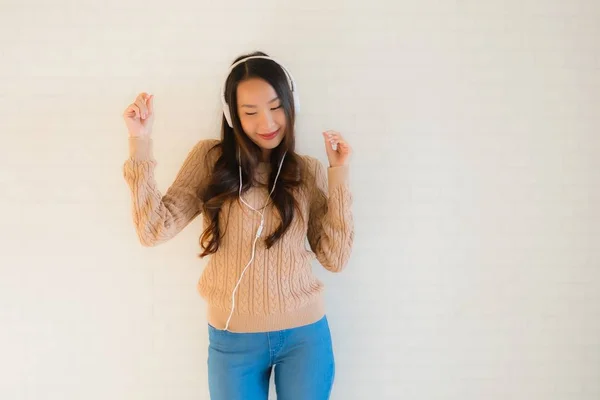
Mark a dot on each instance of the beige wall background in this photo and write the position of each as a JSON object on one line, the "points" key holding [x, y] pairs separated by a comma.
{"points": [[476, 267]]}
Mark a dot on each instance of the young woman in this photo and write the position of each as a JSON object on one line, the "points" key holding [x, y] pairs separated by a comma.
{"points": [[261, 203]]}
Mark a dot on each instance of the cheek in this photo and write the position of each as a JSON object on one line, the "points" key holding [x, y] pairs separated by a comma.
{"points": [[280, 118], [247, 125]]}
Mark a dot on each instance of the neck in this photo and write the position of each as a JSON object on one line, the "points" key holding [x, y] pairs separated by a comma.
{"points": [[266, 154]]}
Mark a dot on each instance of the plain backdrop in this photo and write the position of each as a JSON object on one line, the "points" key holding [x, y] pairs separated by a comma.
{"points": [[476, 267]]}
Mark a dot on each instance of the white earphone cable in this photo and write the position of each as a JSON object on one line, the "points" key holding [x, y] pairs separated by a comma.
{"points": [[258, 232]]}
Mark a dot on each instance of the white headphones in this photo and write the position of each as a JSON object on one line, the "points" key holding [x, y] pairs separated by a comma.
{"points": [[290, 80]]}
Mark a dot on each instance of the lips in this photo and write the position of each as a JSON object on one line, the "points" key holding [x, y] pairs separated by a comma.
{"points": [[269, 135]]}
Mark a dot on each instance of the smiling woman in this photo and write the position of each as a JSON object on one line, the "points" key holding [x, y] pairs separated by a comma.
{"points": [[263, 120], [249, 182]]}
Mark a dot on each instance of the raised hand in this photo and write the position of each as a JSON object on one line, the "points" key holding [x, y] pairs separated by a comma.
{"points": [[139, 115], [338, 150]]}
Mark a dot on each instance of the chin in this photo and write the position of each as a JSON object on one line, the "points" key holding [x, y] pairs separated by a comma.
{"points": [[269, 144]]}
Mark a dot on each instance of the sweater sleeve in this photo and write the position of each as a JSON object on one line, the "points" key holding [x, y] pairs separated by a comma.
{"points": [[331, 226], [158, 218]]}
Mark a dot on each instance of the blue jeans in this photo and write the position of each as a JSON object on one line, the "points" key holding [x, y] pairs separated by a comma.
{"points": [[240, 364]]}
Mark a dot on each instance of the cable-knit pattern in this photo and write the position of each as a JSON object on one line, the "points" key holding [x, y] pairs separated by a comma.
{"points": [[158, 218], [249, 227], [279, 288], [331, 229], [271, 257], [284, 279]]}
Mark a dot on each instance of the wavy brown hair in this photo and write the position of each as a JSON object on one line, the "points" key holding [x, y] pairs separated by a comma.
{"points": [[224, 184]]}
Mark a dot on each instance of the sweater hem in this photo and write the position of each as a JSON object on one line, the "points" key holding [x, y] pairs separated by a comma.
{"points": [[246, 323]]}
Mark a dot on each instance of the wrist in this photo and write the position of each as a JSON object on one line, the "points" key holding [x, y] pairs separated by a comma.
{"points": [[139, 135], [336, 165], [337, 176], [140, 147]]}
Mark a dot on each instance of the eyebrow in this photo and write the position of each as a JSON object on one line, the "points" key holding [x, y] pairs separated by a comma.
{"points": [[252, 106]]}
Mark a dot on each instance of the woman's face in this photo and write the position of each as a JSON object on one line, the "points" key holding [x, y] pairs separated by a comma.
{"points": [[261, 113]]}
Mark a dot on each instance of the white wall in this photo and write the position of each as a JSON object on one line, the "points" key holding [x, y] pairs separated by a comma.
{"points": [[475, 273]]}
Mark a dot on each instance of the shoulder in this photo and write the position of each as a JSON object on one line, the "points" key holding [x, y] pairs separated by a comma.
{"points": [[201, 158], [310, 161], [313, 171], [206, 150], [308, 164], [207, 145]]}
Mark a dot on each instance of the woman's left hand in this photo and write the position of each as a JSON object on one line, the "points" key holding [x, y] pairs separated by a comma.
{"points": [[338, 150]]}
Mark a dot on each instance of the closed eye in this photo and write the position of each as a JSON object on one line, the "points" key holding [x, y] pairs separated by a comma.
{"points": [[272, 109]]}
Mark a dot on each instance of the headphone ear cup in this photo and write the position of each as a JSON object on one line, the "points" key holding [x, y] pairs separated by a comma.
{"points": [[227, 115]]}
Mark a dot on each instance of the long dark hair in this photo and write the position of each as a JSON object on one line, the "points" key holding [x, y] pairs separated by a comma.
{"points": [[224, 184]]}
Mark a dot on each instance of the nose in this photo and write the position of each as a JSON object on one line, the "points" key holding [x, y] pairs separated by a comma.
{"points": [[266, 122]]}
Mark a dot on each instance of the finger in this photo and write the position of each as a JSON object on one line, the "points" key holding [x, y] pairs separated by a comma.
{"points": [[330, 135], [335, 137], [342, 143], [128, 112], [150, 103], [344, 148], [336, 142], [142, 101], [333, 144], [328, 143], [132, 111], [142, 106], [142, 96]]}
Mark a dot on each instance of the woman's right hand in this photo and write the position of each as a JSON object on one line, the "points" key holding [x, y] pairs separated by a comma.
{"points": [[139, 116]]}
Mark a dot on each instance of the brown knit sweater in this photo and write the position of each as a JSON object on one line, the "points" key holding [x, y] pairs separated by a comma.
{"points": [[279, 290]]}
